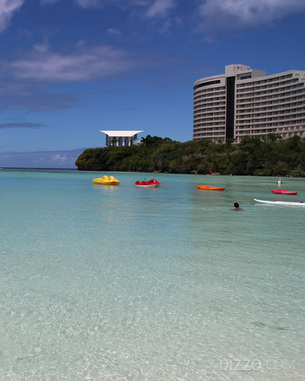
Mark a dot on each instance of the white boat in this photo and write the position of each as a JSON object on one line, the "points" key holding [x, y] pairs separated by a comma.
{"points": [[300, 203]]}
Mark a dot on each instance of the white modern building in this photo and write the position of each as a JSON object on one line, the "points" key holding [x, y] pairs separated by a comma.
{"points": [[121, 138], [247, 102]]}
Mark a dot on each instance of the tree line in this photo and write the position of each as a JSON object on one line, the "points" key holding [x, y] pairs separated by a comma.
{"points": [[272, 156]]}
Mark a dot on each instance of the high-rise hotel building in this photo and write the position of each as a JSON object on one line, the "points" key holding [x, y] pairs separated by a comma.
{"points": [[247, 102]]}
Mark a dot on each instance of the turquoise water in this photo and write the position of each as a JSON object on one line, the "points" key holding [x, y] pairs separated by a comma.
{"points": [[123, 283]]}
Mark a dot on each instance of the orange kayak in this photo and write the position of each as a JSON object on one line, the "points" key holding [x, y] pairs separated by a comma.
{"points": [[207, 187]]}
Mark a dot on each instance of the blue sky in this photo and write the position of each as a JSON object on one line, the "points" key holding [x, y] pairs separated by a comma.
{"points": [[70, 68]]}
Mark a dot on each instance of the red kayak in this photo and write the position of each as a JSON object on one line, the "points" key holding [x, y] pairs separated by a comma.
{"points": [[153, 183], [283, 191]]}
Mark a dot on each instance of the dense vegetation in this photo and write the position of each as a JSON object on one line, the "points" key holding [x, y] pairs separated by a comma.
{"points": [[270, 157]]}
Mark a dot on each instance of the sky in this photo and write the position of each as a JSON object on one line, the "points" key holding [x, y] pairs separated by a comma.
{"points": [[70, 68]]}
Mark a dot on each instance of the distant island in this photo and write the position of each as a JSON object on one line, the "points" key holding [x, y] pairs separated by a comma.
{"points": [[272, 156]]}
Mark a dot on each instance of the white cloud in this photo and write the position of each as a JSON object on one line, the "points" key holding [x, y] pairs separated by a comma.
{"points": [[160, 8], [84, 64], [151, 8], [113, 32], [165, 27], [7, 8], [43, 48], [60, 159], [88, 3], [239, 13]]}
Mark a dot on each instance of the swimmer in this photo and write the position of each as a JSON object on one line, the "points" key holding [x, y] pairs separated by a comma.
{"points": [[236, 206]]}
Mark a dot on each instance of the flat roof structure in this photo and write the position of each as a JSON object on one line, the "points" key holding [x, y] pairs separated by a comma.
{"points": [[121, 133], [120, 138]]}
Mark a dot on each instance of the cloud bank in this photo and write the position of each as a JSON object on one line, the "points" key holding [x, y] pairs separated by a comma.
{"points": [[153, 8], [226, 14], [7, 8], [215, 14], [85, 63], [88, 3], [160, 8], [41, 159]]}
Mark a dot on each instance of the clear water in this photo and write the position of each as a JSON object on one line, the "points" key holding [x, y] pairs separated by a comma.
{"points": [[123, 283]]}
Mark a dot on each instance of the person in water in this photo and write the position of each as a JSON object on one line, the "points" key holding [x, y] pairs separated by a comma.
{"points": [[236, 206], [279, 182]]}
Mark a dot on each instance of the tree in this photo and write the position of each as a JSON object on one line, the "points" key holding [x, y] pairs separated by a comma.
{"points": [[155, 141]]}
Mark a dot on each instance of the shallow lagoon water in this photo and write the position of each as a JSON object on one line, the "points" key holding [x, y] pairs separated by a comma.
{"points": [[123, 283]]}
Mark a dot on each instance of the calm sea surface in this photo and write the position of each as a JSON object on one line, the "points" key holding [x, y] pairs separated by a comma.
{"points": [[121, 283]]}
